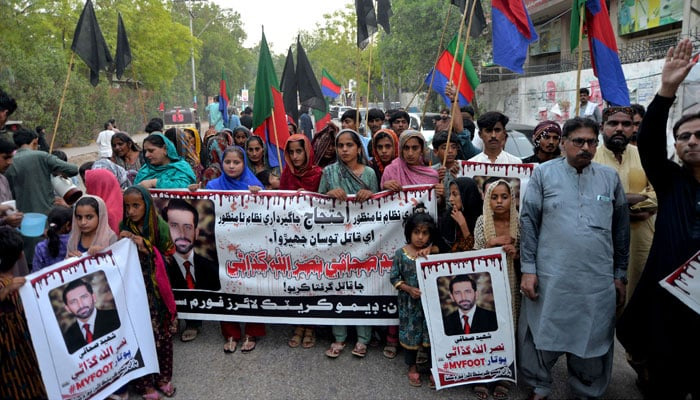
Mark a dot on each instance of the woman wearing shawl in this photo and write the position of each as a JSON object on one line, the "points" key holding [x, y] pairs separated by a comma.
{"points": [[164, 168], [151, 235], [349, 175], [457, 222], [91, 232], [235, 176], [126, 153], [409, 168], [103, 184], [385, 148], [188, 146], [256, 153], [300, 172], [216, 145], [323, 144], [499, 226]]}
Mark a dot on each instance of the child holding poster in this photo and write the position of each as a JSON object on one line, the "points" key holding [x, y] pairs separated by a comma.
{"points": [[90, 228], [19, 369], [151, 235], [420, 231]]}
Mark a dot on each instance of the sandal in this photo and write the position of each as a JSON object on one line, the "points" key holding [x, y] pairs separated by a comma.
{"points": [[230, 345], [152, 395], [309, 338], [389, 351], [335, 349], [295, 340], [174, 326], [501, 391], [167, 389], [189, 334], [249, 344], [414, 379], [360, 350], [481, 392]]}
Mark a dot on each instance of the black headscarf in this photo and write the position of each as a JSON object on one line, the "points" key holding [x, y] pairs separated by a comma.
{"points": [[472, 207]]}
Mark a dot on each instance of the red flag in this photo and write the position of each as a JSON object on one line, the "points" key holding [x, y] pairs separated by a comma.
{"points": [[161, 107]]}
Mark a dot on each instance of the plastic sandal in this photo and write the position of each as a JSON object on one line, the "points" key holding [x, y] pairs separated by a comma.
{"points": [[414, 379], [481, 392], [335, 349], [360, 350], [295, 340], [167, 389], [501, 391], [246, 346], [309, 338], [189, 334], [389, 351], [230, 345]]}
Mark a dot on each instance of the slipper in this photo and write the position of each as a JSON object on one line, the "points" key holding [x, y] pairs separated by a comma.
{"points": [[481, 392], [189, 334], [360, 350], [295, 340], [414, 379], [309, 338], [335, 349], [249, 344], [389, 351], [167, 389], [230, 345], [501, 391]]}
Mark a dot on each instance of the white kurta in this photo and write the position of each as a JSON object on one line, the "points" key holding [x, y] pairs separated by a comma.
{"points": [[575, 237]]}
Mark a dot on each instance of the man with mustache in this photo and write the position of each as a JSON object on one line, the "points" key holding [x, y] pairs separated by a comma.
{"points": [[574, 247], [90, 323], [547, 137], [615, 152], [492, 131], [468, 318], [656, 327], [188, 270]]}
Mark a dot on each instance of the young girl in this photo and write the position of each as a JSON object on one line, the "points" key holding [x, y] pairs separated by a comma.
{"points": [[90, 227], [385, 148], [324, 145], [236, 174], [349, 175], [457, 222], [257, 155], [53, 249], [270, 178], [409, 168], [499, 226], [240, 136], [420, 230], [151, 235]]}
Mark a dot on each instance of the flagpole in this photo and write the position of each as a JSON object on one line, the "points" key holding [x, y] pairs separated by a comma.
{"points": [[432, 78], [455, 100], [357, 91], [369, 75], [63, 98], [582, 12], [274, 130]]}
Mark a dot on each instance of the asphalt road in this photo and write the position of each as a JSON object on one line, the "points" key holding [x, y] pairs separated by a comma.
{"points": [[275, 371]]}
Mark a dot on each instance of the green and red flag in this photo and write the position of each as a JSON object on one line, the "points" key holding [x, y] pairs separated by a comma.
{"points": [[463, 67], [223, 97], [269, 117], [329, 86]]}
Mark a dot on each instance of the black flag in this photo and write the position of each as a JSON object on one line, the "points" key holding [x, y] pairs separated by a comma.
{"points": [[366, 21], [289, 88], [384, 13], [479, 20], [123, 56], [310, 93], [89, 44]]}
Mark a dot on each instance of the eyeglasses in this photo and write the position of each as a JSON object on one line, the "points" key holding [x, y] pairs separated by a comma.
{"points": [[685, 136], [579, 142], [625, 124]]}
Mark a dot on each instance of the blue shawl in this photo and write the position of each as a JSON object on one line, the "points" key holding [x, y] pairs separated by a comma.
{"points": [[225, 182]]}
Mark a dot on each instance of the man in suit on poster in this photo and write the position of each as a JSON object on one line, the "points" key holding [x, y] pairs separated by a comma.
{"points": [[188, 270], [90, 323], [468, 318]]}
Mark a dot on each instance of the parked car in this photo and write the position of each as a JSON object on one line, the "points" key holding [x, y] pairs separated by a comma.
{"points": [[518, 144]]}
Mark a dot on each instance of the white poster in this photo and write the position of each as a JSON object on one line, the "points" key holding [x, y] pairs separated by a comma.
{"points": [[90, 323], [517, 175], [684, 283], [287, 257], [467, 304]]}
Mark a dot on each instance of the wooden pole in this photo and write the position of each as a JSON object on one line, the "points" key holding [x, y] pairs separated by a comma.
{"points": [[63, 98], [357, 91], [369, 76], [274, 130], [582, 12], [432, 78], [455, 100]]}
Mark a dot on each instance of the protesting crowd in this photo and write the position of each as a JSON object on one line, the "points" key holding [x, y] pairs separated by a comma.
{"points": [[599, 224]]}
